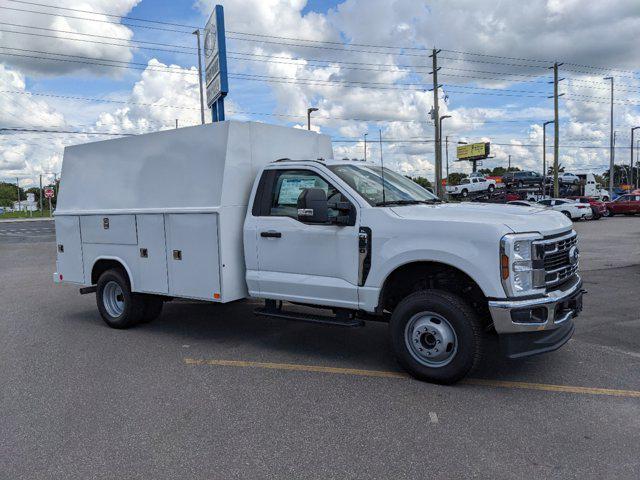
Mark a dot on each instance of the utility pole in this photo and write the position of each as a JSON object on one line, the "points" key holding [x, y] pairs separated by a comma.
{"points": [[40, 194], [176, 123], [633, 129], [637, 164], [556, 127], [509, 168], [365, 147], [611, 154], [197, 34], [19, 201], [435, 115], [544, 155]]}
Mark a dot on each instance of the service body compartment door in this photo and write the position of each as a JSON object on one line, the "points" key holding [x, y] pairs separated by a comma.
{"points": [[109, 229], [192, 255], [69, 260], [152, 260]]}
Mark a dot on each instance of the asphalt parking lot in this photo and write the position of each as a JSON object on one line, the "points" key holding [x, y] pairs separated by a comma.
{"points": [[213, 392]]}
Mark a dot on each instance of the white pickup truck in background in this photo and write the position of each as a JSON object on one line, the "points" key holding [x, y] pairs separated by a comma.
{"points": [[472, 185], [210, 213]]}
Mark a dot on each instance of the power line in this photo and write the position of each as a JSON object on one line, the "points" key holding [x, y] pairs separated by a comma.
{"points": [[99, 64], [33, 34], [93, 35], [58, 14], [158, 22], [71, 97], [32, 130]]}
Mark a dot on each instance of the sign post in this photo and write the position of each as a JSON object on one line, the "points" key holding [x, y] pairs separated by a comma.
{"points": [[48, 194], [215, 57]]}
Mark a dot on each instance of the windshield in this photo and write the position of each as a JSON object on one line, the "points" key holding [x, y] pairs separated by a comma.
{"points": [[367, 181]]}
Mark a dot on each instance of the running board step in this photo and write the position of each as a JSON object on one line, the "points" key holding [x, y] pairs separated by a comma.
{"points": [[308, 318]]}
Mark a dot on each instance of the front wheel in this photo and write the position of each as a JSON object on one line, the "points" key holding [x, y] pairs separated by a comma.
{"points": [[436, 336], [491, 188], [610, 213], [464, 193]]}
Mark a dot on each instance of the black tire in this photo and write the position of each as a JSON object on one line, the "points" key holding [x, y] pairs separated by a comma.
{"points": [[132, 304], [459, 316], [464, 193], [491, 188], [610, 213], [152, 308], [567, 214]]}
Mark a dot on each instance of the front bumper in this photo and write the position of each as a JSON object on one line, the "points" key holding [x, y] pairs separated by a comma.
{"points": [[519, 338]]}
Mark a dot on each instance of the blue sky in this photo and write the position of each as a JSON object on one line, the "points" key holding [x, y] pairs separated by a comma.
{"points": [[337, 56]]}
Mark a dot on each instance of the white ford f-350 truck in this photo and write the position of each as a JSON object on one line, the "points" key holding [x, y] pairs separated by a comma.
{"points": [[232, 210]]}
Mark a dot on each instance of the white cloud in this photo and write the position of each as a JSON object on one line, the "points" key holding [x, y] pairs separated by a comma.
{"points": [[54, 34]]}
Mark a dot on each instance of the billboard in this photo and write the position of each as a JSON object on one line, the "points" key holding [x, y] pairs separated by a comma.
{"points": [[215, 58], [473, 151]]}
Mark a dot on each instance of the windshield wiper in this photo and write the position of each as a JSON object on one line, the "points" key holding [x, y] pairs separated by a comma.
{"points": [[407, 202]]}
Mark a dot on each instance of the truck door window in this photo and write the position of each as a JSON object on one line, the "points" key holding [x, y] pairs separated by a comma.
{"points": [[287, 186]]}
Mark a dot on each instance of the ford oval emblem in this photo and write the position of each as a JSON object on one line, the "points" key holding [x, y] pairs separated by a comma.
{"points": [[574, 255]]}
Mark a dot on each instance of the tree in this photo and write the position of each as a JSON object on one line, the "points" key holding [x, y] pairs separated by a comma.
{"points": [[455, 178], [9, 194], [422, 181]]}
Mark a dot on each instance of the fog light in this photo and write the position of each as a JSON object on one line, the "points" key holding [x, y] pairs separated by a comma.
{"points": [[529, 315]]}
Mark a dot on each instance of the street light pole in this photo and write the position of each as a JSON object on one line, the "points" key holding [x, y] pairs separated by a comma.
{"points": [[439, 189], [197, 34], [309, 110], [365, 147], [611, 161], [446, 149], [633, 129]]}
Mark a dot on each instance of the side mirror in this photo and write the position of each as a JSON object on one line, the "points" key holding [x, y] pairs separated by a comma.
{"points": [[312, 206]]}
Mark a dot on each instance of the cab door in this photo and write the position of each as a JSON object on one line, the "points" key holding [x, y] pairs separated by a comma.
{"points": [[297, 261]]}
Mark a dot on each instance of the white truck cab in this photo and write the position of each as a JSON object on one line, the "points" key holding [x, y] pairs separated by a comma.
{"points": [[216, 213]]}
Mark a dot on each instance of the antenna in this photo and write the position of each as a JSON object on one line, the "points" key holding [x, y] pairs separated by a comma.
{"points": [[384, 199]]}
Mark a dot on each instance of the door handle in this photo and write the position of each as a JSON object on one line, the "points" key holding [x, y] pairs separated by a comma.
{"points": [[271, 234]]}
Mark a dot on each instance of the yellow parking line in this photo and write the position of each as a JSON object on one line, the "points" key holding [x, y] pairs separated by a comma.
{"points": [[390, 374]]}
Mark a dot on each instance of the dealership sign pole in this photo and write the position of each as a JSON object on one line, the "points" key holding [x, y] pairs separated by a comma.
{"points": [[215, 55]]}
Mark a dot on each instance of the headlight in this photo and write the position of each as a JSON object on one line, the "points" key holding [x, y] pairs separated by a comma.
{"points": [[521, 265]]}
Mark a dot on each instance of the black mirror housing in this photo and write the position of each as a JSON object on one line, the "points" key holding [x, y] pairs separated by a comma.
{"points": [[313, 206]]}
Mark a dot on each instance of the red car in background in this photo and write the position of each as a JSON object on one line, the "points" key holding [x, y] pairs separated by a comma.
{"points": [[598, 208], [628, 204]]}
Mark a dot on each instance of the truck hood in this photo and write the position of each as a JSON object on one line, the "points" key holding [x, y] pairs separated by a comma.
{"points": [[517, 218]]}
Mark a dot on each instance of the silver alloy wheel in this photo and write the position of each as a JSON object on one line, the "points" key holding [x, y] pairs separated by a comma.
{"points": [[431, 339], [113, 299]]}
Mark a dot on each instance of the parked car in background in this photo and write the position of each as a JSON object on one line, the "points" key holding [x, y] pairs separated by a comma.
{"points": [[498, 197], [570, 208], [522, 179], [598, 208], [525, 203], [625, 204], [565, 178], [473, 184]]}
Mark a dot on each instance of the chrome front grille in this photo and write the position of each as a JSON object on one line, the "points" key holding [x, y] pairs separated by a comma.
{"points": [[558, 266]]}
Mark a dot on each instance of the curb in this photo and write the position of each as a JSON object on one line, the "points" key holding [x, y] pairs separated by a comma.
{"points": [[9, 220]]}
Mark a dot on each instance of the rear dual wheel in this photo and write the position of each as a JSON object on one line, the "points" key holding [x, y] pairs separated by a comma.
{"points": [[436, 336], [119, 307]]}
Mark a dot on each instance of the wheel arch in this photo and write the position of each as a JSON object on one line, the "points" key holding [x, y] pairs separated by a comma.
{"points": [[103, 263], [430, 275]]}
